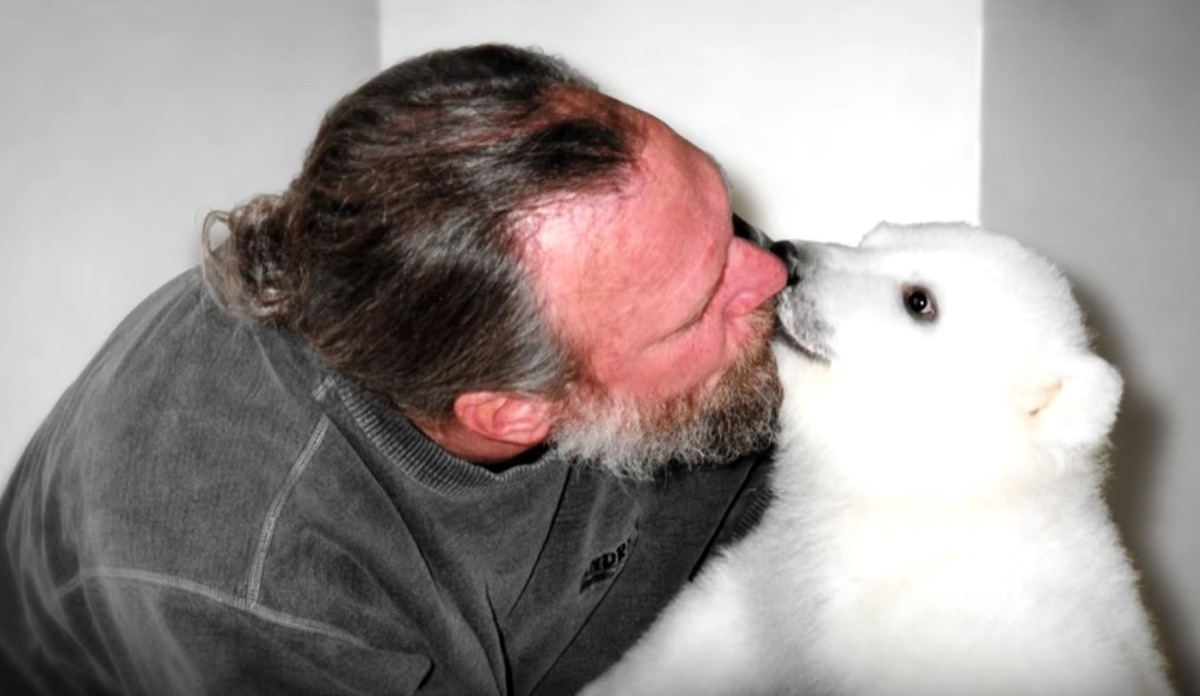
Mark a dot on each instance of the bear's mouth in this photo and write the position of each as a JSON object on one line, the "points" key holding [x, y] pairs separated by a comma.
{"points": [[801, 327], [812, 350]]}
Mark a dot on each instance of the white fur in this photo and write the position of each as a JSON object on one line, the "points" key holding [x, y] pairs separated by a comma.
{"points": [[939, 527]]}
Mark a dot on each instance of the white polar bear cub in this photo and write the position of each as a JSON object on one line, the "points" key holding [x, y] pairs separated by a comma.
{"points": [[938, 527]]}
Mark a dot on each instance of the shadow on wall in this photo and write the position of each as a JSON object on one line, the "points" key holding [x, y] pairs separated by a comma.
{"points": [[1136, 461]]}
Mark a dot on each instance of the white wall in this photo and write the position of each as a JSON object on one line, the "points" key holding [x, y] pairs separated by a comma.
{"points": [[121, 124], [829, 115], [1091, 151]]}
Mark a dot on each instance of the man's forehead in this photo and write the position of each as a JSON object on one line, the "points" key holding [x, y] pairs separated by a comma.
{"points": [[620, 248], [666, 170], [579, 251], [576, 228], [720, 170]]}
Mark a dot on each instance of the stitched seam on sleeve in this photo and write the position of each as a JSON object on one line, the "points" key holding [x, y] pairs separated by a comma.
{"points": [[322, 388], [233, 601], [254, 582]]}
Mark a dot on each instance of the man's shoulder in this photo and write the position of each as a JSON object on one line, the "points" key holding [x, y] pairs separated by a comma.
{"points": [[166, 453], [181, 375]]}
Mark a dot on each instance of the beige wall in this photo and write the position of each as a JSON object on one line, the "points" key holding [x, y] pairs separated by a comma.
{"points": [[1091, 152], [121, 124]]}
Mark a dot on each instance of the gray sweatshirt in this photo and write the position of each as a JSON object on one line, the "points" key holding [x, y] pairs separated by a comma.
{"points": [[209, 510]]}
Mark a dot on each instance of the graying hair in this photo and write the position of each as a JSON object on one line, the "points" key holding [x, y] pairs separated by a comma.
{"points": [[395, 252]]}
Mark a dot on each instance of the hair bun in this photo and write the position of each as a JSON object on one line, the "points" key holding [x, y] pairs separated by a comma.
{"points": [[244, 270]]}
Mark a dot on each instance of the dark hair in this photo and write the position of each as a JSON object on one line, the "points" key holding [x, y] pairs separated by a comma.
{"points": [[395, 252]]}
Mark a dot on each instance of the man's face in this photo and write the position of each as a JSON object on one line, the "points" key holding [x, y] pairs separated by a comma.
{"points": [[668, 311]]}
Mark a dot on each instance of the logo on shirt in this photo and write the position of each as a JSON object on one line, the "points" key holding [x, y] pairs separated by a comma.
{"points": [[607, 565]]}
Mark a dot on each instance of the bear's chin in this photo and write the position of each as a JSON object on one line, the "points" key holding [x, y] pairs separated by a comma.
{"points": [[905, 436]]}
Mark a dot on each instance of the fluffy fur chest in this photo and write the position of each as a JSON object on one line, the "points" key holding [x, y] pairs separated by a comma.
{"points": [[940, 592]]}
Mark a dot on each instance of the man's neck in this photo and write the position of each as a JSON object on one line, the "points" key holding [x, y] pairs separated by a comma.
{"points": [[466, 445]]}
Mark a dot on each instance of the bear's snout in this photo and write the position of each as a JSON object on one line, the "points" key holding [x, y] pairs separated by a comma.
{"points": [[793, 258]]}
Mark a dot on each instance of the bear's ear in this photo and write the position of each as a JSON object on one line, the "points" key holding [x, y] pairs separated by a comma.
{"points": [[1071, 399], [881, 234]]}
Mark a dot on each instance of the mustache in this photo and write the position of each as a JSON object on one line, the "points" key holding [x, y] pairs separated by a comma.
{"points": [[704, 426]]}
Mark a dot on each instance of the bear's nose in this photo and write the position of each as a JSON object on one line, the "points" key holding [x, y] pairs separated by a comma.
{"points": [[791, 256], [749, 232]]}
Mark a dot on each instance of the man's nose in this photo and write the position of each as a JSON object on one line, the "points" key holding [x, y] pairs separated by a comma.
{"points": [[789, 253], [792, 258]]}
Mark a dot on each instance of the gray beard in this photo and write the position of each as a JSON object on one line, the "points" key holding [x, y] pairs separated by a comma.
{"points": [[711, 427]]}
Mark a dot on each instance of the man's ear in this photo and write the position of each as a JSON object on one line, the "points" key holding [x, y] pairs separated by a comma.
{"points": [[505, 417]]}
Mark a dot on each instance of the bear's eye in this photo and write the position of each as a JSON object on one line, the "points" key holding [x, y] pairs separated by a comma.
{"points": [[919, 303]]}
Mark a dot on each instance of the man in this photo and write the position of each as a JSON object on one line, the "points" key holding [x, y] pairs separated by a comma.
{"points": [[423, 425]]}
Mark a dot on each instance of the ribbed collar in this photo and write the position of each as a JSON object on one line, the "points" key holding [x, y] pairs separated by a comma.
{"points": [[406, 447]]}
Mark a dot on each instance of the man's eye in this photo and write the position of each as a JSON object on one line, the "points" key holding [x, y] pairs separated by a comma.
{"points": [[694, 322]]}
